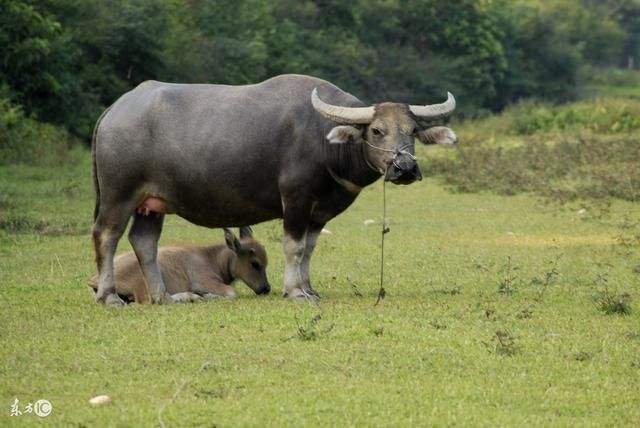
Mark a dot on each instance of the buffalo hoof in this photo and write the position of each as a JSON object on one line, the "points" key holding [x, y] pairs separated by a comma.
{"points": [[112, 300], [306, 294], [163, 299]]}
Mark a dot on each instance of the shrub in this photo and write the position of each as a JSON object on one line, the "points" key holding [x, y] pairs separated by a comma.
{"points": [[603, 115], [582, 150], [25, 140]]}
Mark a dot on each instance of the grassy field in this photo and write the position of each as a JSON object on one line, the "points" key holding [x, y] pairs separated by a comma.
{"points": [[495, 315]]}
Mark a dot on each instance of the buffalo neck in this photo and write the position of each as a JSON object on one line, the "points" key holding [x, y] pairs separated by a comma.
{"points": [[348, 162]]}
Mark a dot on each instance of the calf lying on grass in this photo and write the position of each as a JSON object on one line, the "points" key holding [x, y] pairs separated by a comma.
{"points": [[192, 273]]}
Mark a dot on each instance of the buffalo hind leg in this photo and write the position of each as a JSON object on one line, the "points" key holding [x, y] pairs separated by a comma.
{"points": [[107, 231], [144, 235]]}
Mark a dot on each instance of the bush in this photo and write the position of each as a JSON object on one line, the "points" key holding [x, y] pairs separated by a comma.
{"points": [[25, 140], [603, 116], [580, 150]]}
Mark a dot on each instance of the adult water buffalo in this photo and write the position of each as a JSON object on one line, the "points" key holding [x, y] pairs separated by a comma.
{"points": [[222, 156]]}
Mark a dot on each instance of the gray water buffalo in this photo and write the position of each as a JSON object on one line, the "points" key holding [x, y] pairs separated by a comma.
{"points": [[292, 147]]}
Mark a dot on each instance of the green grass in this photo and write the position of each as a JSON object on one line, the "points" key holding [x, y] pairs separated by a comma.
{"points": [[445, 347]]}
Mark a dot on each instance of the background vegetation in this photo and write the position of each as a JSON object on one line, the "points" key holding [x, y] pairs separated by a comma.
{"points": [[63, 61]]}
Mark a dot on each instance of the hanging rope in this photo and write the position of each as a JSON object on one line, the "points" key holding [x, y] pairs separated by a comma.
{"points": [[385, 229]]}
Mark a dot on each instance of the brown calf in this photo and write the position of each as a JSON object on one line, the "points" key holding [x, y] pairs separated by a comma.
{"points": [[191, 273]]}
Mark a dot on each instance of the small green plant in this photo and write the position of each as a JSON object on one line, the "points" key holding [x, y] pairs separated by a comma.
{"points": [[378, 331], [438, 325], [509, 278], [629, 236], [608, 302], [502, 343], [448, 291], [612, 304], [354, 288], [583, 356], [548, 278], [311, 330], [525, 313], [633, 335]]}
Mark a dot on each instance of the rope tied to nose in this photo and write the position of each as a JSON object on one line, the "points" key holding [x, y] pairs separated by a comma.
{"points": [[385, 227]]}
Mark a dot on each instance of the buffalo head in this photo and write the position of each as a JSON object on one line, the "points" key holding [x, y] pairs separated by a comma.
{"points": [[389, 131]]}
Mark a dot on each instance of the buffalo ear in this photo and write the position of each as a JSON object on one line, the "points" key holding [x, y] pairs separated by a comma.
{"points": [[344, 134], [438, 135], [232, 241], [246, 232]]}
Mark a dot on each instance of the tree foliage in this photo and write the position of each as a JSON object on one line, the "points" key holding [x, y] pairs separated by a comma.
{"points": [[63, 61]]}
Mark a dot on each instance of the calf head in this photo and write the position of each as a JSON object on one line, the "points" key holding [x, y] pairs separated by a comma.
{"points": [[250, 264], [389, 131]]}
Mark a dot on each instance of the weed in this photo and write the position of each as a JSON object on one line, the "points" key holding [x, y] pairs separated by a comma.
{"points": [[378, 331], [212, 393], [480, 266], [547, 278], [310, 331], [438, 325], [525, 313], [354, 288], [509, 278], [629, 237], [611, 304], [502, 343], [448, 291], [608, 302], [583, 356], [633, 335]]}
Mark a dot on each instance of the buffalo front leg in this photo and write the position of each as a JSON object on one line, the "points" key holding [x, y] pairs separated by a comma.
{"points": [[296, 237], [312, 234], [144, 235]]}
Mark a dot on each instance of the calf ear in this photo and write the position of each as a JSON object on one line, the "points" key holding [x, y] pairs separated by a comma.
{"points": [[344, 134], [438, 135], [246, 232], [232, 241]]}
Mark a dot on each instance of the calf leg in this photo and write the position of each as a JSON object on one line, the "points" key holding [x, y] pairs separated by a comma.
{"points": [[144, 236], [185, 297], [107, 230], [210, 287]]}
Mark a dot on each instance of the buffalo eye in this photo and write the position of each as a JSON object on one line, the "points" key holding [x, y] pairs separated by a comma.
{"points": [[376, 132], [255, 265]]}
